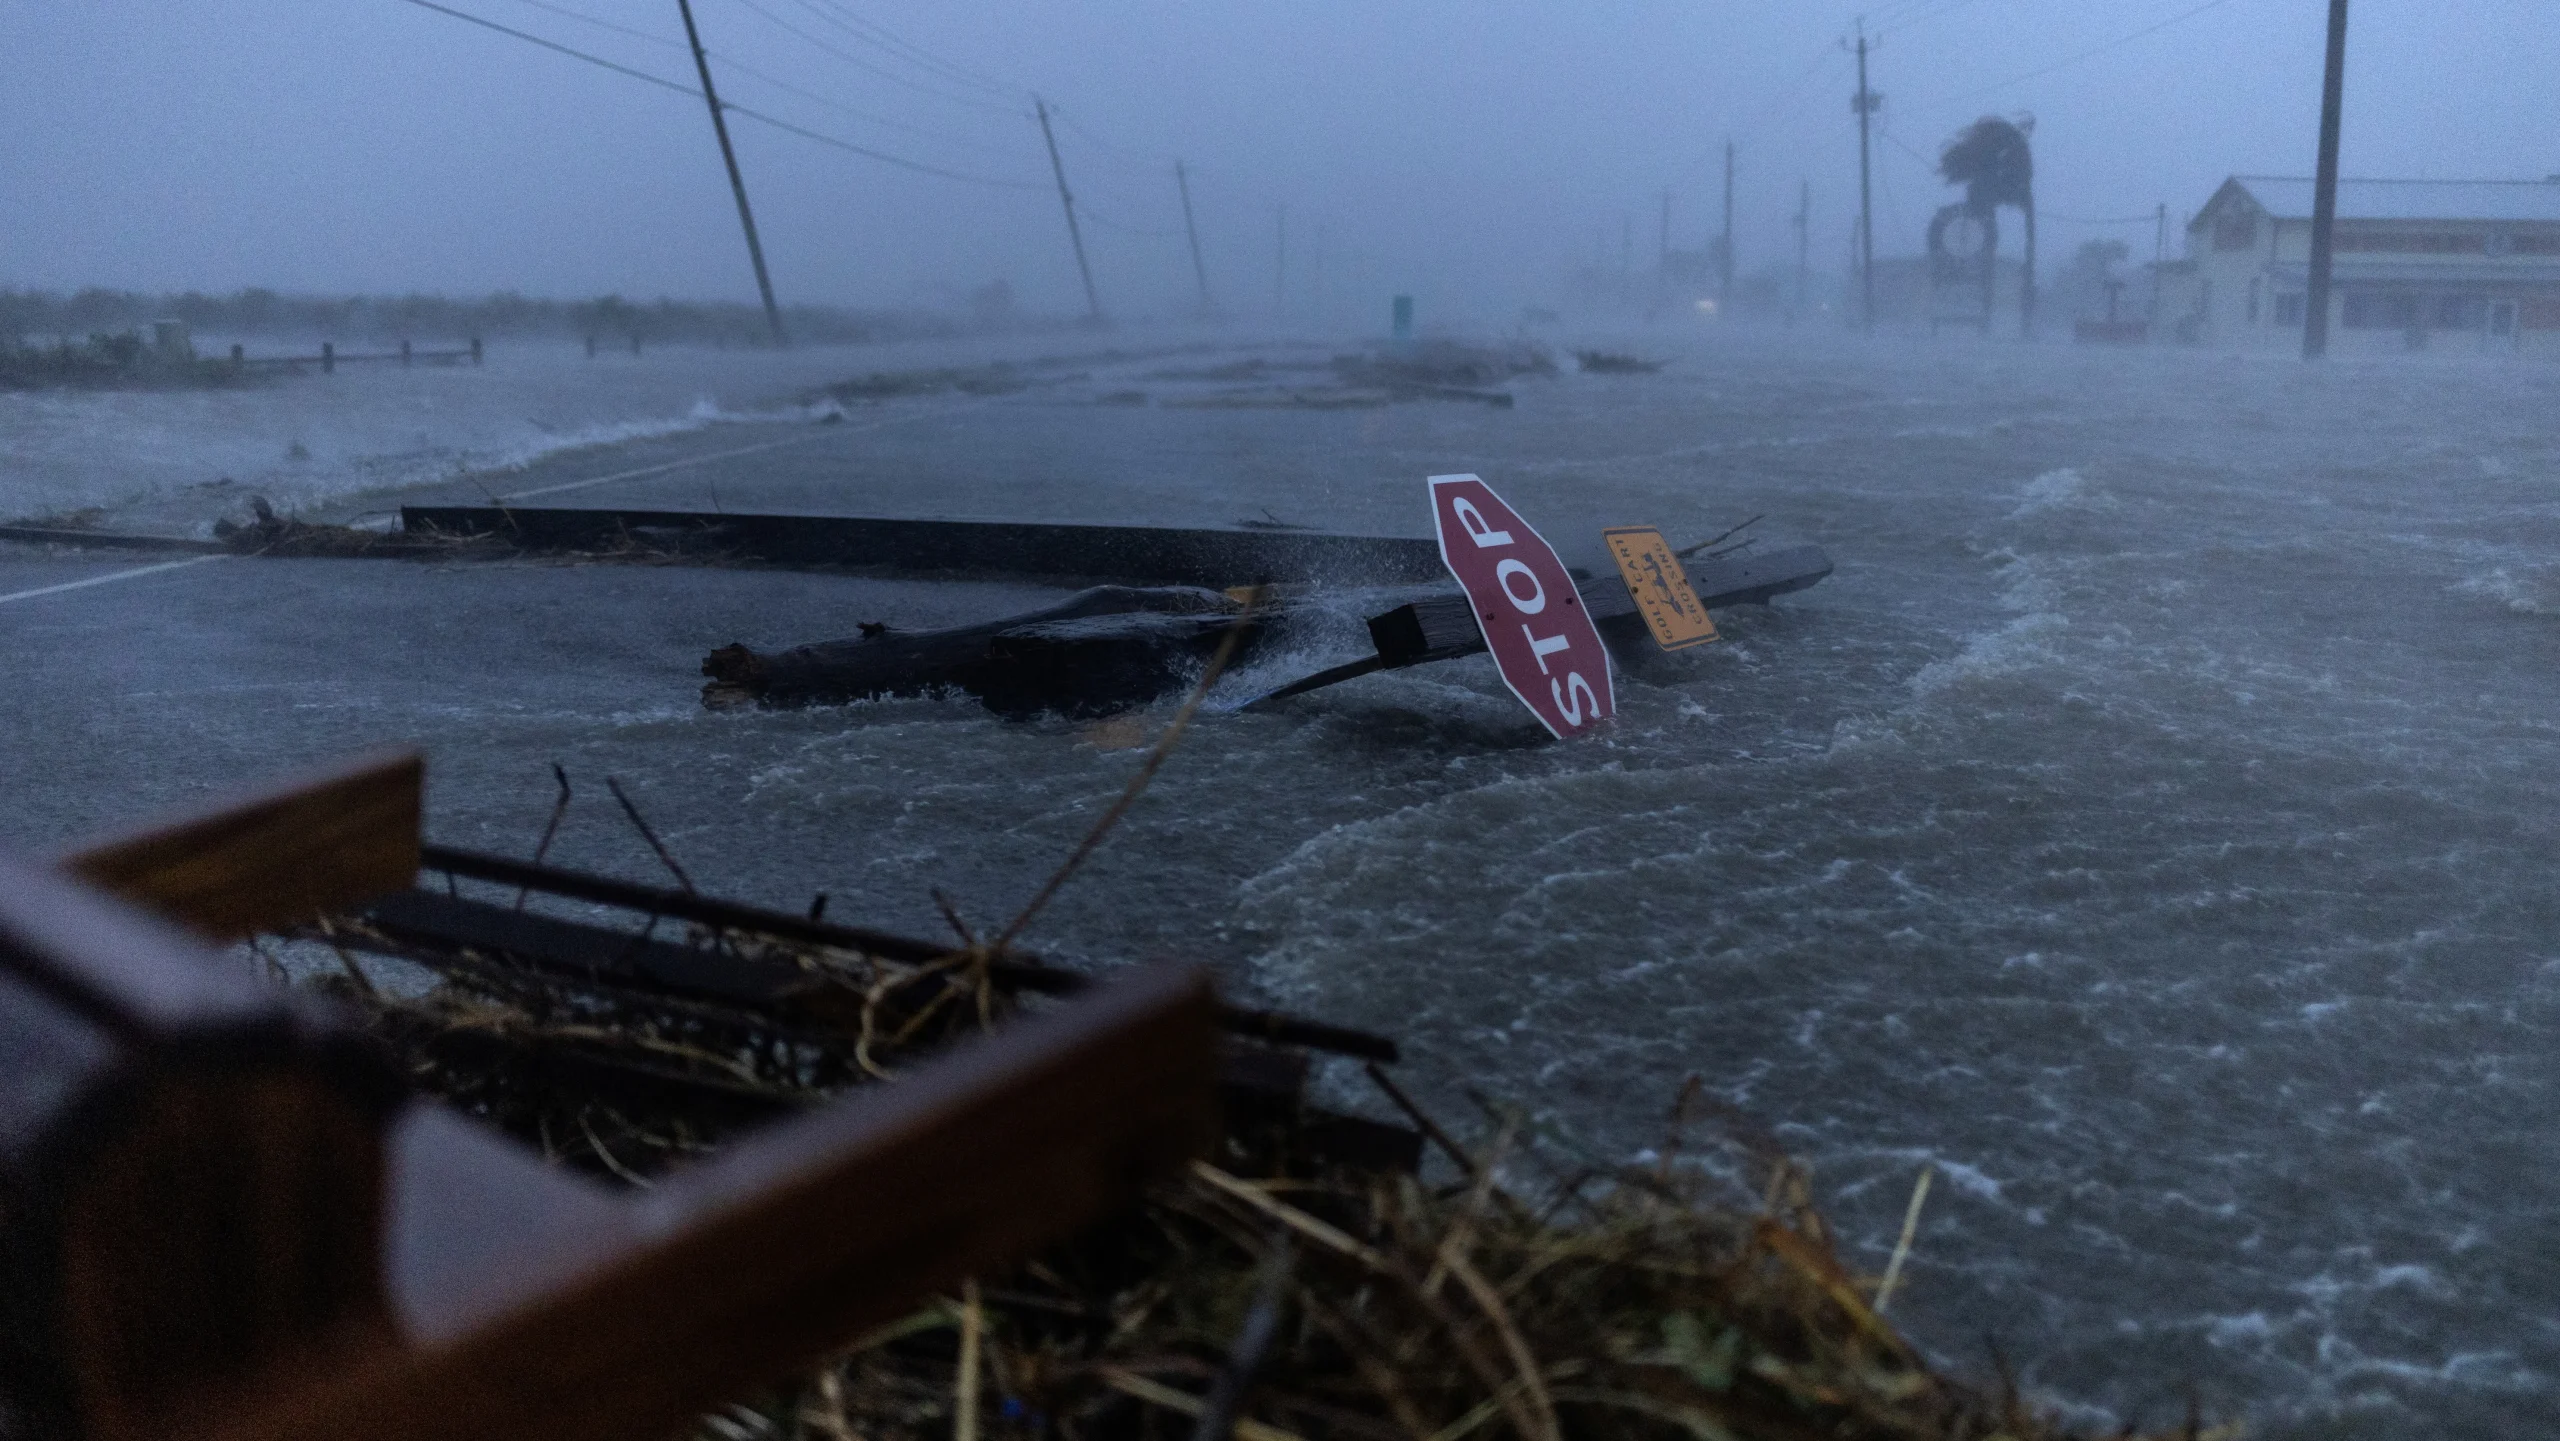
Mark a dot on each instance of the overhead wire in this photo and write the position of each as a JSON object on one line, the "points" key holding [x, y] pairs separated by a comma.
{"points": [[585, 19], [814, 97], [2098, 49], [880, 36], [886, 74], [836, 142], [659, 81]]}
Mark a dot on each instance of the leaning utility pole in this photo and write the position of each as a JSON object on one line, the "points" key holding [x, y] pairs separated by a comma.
{"points": [[738, 186], [2324, 190], [1804, 245], [1067, 199], [1199, 271], [1724, 269], [1865, 102]]}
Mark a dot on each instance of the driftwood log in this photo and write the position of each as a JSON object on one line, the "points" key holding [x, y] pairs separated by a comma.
{"points": [[1101, 650], [1116, 647]]}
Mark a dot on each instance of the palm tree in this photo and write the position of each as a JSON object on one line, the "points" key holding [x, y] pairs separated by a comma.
{"points": [[1990, 158]]}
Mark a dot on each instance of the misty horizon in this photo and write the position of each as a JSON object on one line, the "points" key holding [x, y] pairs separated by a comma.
{"points": [[1470, 160]]}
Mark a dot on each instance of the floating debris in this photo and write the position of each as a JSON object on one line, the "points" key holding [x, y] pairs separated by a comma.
{"points": [[1606, 362]]}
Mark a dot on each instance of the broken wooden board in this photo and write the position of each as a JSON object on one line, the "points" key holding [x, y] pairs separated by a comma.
{"points": [[448, 920], [1212, 556], [756, 1264], [189, 1178], [324, 842]]}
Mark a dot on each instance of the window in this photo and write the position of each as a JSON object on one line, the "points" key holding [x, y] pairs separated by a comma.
{"points": [[2539, 314], [2411, 242], [2375, 310], [2254, 284], [2235, 232], [2535, 242], [2457, 312], [2288, 310]]}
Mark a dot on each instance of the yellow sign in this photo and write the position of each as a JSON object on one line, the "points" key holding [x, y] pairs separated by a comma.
{"points": [[1661, 587]]}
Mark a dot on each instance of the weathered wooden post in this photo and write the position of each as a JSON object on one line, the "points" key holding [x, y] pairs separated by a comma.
{"points": [[591, 346], [193, 1172], [475, 350], [239, 359], [404, 355], [328, 358]]}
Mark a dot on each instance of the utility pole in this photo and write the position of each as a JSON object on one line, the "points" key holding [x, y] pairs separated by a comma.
{"points": [[1199, 271], [1865, 102], [2324, 192], [737, 186], [2159, 259], [1067, 200], [1724, 269], [1804, 244], [1280, 270]]}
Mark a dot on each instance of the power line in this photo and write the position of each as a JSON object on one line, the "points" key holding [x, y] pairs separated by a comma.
{"points": [[878, 35], [661, 83], [586, 19], [867, 67], [883, 156], [2098, 49], [1127, 156], [777, 123], [857, 112]]}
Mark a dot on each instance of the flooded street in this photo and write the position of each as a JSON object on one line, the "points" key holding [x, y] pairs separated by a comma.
{"points": [[2151, 823]]}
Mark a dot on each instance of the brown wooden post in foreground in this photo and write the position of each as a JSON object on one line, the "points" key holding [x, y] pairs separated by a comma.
{"points": [[225, 1221]]}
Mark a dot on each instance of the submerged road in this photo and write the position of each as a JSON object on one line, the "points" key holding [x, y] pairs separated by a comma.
{"points": [[2151, 826]]}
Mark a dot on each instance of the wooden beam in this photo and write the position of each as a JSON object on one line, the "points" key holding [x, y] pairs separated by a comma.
{"points": [[759, 1264], [325, 842], [191, 1165]]}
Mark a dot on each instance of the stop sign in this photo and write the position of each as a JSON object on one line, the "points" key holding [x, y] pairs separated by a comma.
{"points": [[1526, 605]]}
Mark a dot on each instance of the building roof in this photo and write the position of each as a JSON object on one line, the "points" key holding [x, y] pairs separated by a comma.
{"points": [[2287, 198]]}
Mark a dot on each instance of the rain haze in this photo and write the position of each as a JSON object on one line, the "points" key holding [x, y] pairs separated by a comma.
{"points": [[1464, 153], [2082, 777]]}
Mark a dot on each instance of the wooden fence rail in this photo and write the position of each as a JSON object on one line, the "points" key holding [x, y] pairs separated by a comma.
{"points": [[330, 357]]}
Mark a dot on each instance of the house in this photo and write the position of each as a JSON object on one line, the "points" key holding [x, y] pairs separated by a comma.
{"points": [[2473, 264]]}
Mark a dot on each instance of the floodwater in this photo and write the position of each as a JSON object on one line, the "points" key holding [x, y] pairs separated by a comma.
{"points": [[2151, 825]]}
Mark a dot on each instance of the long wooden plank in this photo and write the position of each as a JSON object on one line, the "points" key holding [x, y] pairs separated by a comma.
{"points": [[761, 1263], [324, 842], [1214, 556], [436, 919]]}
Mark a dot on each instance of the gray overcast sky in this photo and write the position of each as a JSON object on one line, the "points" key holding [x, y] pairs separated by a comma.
{"points": [[1467, 151]]}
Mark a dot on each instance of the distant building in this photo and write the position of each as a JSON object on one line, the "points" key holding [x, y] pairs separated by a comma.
{"points": [[2418, 263]]}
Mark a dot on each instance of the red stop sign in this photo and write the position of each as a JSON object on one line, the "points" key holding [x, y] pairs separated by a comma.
{"points": [[1526, 604]]}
